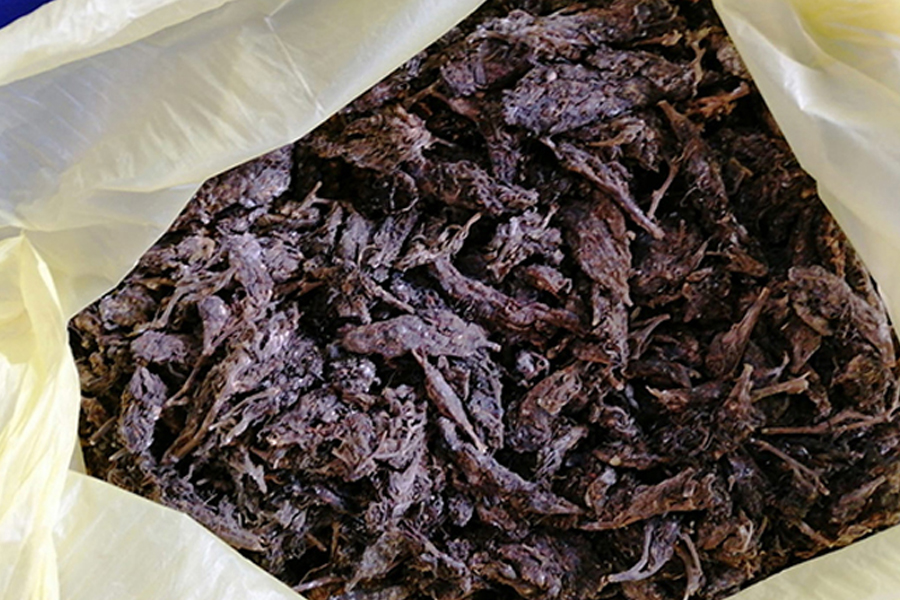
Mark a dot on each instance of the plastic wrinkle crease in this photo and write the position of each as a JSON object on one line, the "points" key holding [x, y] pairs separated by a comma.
{"points": [[112, 114]]}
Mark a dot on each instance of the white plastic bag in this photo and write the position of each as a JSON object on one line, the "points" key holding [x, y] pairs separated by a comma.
{"points": [[830, 72], [112, 112]]}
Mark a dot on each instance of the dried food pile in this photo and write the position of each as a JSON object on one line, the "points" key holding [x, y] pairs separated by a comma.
{"points": [[551, 312]]}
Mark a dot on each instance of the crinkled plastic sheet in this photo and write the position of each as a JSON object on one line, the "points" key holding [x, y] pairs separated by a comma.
{"points": [[830, 72], [112, 112]]}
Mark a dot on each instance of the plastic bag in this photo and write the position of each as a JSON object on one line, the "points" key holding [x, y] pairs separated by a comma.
{"points": [[830, 72], [112, 113]]}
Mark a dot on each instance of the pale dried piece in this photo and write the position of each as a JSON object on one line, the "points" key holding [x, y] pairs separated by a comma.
{"points": [[560, 97], [715, 107], [818, 297], [692, 566], [446, 401], [465, 184], [628, 20], [851, 504], [659, 547], [435, 239], [735, 541], [527, 569], [609, 179], [728, 55], [303, 367], [245, 367], [485, 402], [663, 265], [551, 457], [126, 308], [158, 347], [484, 58], [505, 145], [180, 495], [484, 473], [253, 184], [564, 95], [638, 136], [437, 333], [245, 259], [628, 446], [843, 422], [737, 419], [546, 278], [672, 400], [663, 189], [644, 76], [726, 349], [565, 34], [446, 575], [798, 385], [801, 471], [142, 406], [639, 337], [804, 343], [866, 378], [380, 557], [525, 319], [740, 260], [533, 420], [383, 142], [354, 238], [388, 241], [530, 364], [521, 238], [216, 317], [596, 233], [686, 492], [698, 163]]}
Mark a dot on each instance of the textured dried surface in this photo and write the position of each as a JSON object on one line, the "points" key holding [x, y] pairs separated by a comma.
{"points": [[551, 312]]}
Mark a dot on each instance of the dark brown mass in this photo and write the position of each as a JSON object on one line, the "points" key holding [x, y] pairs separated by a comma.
{"points": [[550, 312]]}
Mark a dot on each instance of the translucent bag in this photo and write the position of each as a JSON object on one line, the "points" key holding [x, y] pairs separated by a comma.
{"points": [[112, 112]]}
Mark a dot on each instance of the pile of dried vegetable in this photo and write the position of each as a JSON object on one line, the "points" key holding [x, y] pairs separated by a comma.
{"points": [[551, 312]]}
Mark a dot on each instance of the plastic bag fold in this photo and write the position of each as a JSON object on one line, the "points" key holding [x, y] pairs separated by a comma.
{"points": [[112, 112], [829, 70]]}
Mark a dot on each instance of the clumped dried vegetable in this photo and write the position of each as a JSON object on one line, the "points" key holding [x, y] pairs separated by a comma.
{"points": [[550, 312]]}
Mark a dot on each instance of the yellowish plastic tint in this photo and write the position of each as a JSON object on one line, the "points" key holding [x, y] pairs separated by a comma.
{"points": [[861, 21], [112, 112], [830, 72]]}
